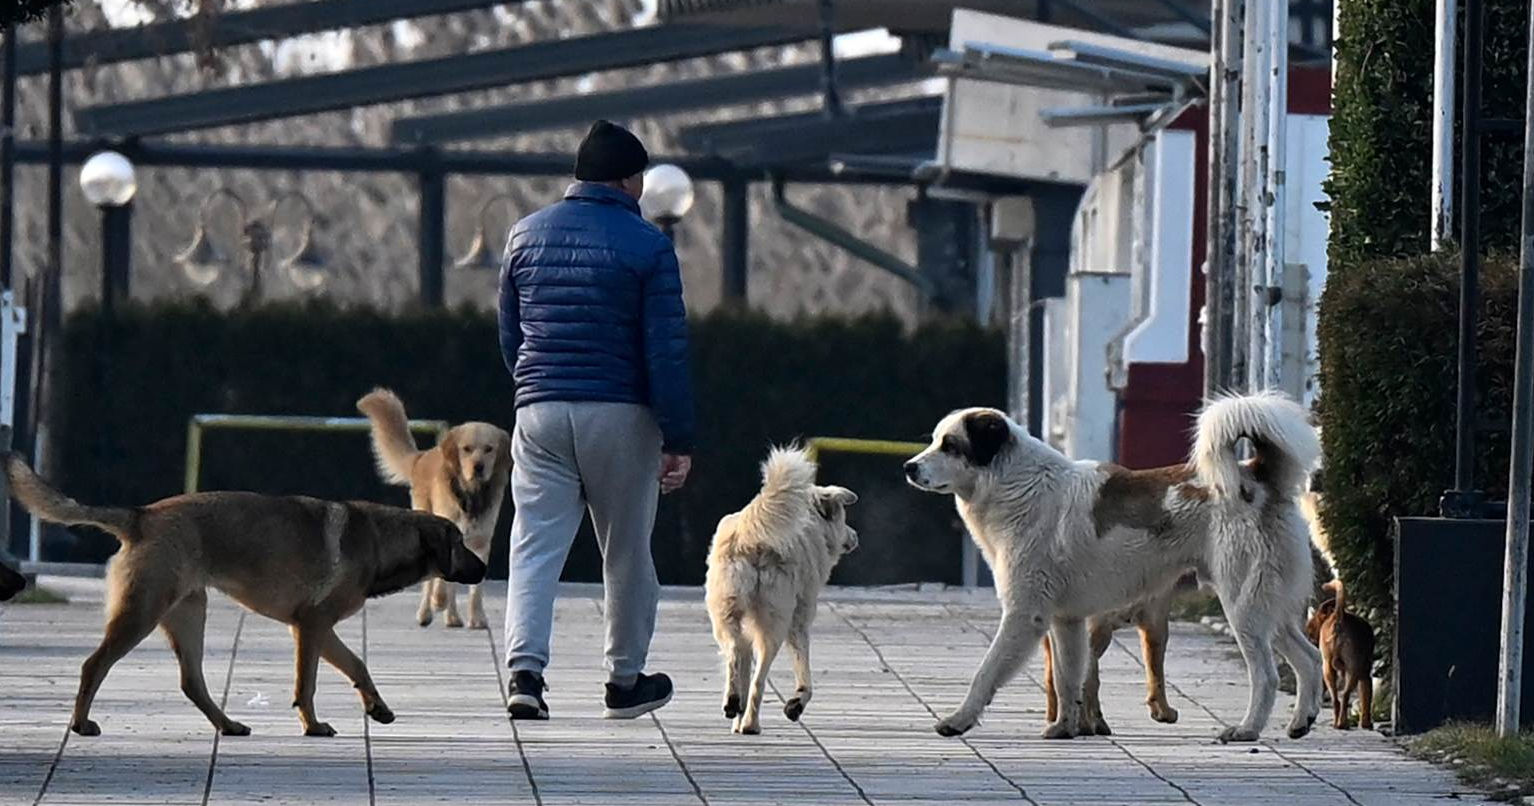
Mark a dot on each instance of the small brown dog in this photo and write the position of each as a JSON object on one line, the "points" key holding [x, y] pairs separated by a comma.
{"points": [[1347, 655], [301, 561], [1152, 617], [463, 479]]}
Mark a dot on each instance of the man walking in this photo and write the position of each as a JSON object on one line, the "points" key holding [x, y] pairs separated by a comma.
{"points": [[594, 332]]}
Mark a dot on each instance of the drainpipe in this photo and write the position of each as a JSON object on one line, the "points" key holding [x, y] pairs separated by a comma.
{"points": [[840, 237]]}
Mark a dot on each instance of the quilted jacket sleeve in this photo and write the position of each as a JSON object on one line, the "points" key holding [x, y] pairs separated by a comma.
{"points": [[510, 316], [666, 353]]}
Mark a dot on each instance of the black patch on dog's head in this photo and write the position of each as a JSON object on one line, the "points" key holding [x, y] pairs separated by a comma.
{"points": [[987, 433]]}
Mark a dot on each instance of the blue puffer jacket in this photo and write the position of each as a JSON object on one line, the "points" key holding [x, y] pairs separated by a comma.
{"points": [[591, 310]]}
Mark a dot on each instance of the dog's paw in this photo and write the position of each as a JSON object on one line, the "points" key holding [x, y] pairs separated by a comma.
{"points": [[478, 623], [1061, 730], [235, 729], [423, 618], [86, 727], [380, 713], [1236, 733], [955, 725], [452, 620], [748, 729], [1097, 727], [1161, 712], [320, 729], [794, 709], [731, 707]]}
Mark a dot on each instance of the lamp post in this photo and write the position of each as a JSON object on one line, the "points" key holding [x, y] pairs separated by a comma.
{"points": [[203, 262], [107, 179], [668, 195]]}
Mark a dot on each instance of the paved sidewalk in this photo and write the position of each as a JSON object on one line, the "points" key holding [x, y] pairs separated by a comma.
{"points": [[884, 665]]}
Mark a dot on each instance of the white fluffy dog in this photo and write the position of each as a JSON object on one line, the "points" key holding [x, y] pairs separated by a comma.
{"points": [[766, 568], [1067, 540]]}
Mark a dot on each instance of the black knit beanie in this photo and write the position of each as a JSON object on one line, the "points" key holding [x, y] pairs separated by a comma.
{"points": [[609, 153]]}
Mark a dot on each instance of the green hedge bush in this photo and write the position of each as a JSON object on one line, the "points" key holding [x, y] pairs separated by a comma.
{"points": [[128, 390], [1388, 366], [1387, 332]]}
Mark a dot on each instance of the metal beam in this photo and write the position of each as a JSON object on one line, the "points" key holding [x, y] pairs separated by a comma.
{"points": [[657, 99], [500, 163], [539, 61], [901, 126], [345, 158], [232, 28]]}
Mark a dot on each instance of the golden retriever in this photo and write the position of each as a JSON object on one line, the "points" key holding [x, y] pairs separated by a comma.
{"points": [[463, 479]]}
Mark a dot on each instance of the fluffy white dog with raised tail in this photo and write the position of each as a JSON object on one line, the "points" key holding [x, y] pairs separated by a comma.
{"points": [[766, 569], [1067, 539]]}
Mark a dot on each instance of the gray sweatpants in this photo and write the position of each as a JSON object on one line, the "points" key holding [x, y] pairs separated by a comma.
{"points": [[568, 458]]}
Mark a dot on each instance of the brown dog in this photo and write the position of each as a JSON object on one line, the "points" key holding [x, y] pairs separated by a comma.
{"points": [[463, 479], [11, 582], [1347, 656], [302, 561], [1152, 618]]}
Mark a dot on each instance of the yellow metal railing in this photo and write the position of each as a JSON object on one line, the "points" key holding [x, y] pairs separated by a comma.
{"points": [[970, 569], [274, 422], [877, 447]]}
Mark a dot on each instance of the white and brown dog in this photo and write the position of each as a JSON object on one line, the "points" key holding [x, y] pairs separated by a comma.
{"points": [[1067, 540]]}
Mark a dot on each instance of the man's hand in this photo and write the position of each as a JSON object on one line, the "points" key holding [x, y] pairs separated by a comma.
{"points": [[673, 472]]}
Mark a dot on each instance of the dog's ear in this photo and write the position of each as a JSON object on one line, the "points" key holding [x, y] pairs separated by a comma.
{"points": [[1326, 607], [450, 452], [830, 500], [987, 433]]}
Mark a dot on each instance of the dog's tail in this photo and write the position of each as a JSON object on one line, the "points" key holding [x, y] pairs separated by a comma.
{"points": [[394, 448], [788, 475], [1319, 539], [1284, 443], [1339, 599], [53, 506]]}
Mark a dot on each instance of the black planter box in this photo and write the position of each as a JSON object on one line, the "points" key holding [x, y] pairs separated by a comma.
{"points": [[1448, 586]]}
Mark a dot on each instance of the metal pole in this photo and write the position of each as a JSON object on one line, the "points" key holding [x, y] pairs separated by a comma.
{"points": [[48, 304], [1250, 218], [1274, 195], [7, 157], [735, 241], [1463, 501], [833, 100], [10, 315], [431, 238], [1224, 176], [1521, 464], [116, 254], [1442, 212], [1216, 349]]}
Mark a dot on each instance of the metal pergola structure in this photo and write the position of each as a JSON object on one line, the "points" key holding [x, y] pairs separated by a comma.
{"points": [[887, 143]]}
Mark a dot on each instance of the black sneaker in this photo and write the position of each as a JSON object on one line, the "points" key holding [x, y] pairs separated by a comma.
{"points": [[648, 693], [526, 700]]}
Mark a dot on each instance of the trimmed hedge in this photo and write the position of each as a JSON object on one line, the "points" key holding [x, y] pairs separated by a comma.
{"points": [[1388, 366], [1387, 329], [1381, 129], [127, 393]]}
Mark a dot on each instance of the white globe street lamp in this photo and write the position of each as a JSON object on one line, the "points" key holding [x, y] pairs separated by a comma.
{"points": [[108, 181], [668, 195]]}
